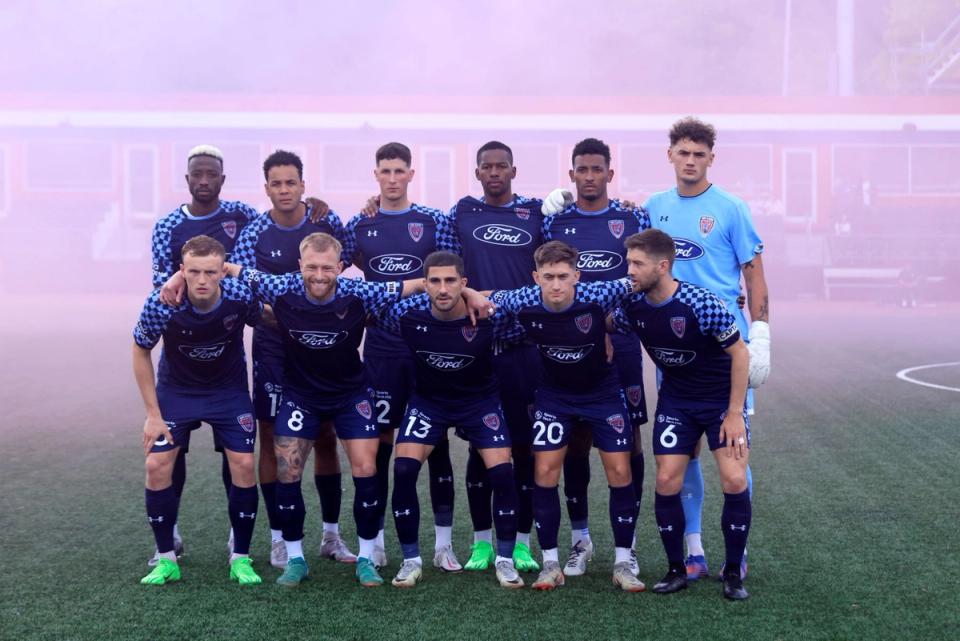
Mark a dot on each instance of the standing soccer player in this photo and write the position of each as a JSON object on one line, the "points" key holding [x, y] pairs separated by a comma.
{"points": [[389, 246], [693, 338], [202, 376], [716, 244], [596, 226]]}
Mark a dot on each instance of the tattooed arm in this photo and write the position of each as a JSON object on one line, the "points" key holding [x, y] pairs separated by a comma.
{"points": [[758, 297]]}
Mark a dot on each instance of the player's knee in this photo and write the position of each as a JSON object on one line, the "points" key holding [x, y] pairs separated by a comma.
{"points": [[364, 468], [618, 473], [159, 471], [734, 482], [668, 482], [241, 472], [547, 474]]}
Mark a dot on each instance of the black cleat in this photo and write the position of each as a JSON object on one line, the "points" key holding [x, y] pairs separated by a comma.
{"points": [[674, 581], [733, 586]]}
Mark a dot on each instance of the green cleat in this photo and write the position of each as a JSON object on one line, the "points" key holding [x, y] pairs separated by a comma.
{"points": [[241, 571], [481, 556], [295, 572], [166, 571], [523, 560], [367, 573]]}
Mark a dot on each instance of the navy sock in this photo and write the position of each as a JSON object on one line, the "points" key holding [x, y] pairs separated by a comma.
{"points": [[523, 475], [162, 514], [479, 492], [735, 520], [290, 510], [384, 452], [546, 515], [242, 507], [225, 476], [180, 473], [636, 469], [330, 490], [406, 505], [269, 491], [670, 521], [576, 479], [441, 483], [504, 507], [623, 509], [366, 506]]}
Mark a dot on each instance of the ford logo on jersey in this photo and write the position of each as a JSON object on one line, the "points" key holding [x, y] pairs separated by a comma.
{"points": [[673, 357], [317, 340], [395, 264], [562, 354], [203, 352], [445, 362], [598, 261], [687, 249], [502, 235]]}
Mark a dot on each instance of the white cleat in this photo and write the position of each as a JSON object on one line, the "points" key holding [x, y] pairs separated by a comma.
{"points": [[580, 553], [332, 547], [446, 560], [278, 554], [624, 579], [409, 575], [507, 574], [379, 557], [634, 563], [550, 577]]}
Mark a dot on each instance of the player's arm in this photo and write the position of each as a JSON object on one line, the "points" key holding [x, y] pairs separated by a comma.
{"points": [[758, 301], [733, 430], [153, 428], [267, 317]]}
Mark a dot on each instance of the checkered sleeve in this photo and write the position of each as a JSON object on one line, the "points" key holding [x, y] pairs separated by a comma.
{"points": [[545, 227], [248, 212], [349, 240], [153, 320], [391, 315], [339, 232], [245, 251], [608, 294], [712, 315], [447, 239], [620, 321], [269, 287], [506, 328], [374, 296], [163, 267], [452, 217], [643, 217], [513, 300], [236, 289]]}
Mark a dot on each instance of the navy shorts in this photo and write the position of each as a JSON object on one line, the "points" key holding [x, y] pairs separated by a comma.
{"points": [[267, 373], [301, 417], [555, 414], [229, 413], [678, 428], [481, 423], [518, 369], [628, 358], [390, 379]]}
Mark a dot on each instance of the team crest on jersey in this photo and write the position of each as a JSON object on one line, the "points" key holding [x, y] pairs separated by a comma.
{"points": [[706, 224], [492, 421], [229, 228], [416, 231], [246, 422], [584, 322], [615, 227], [679, 325], [230, 322], [634, 394], [469, 332], [616, 422], [522, 213], [364, 408]]}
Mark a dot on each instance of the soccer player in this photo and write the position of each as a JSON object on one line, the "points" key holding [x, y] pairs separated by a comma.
{"points": [[566, 320], [386, 247], [202, 376], [455, 386], [597, 225], [716, 244], [694, 339]]}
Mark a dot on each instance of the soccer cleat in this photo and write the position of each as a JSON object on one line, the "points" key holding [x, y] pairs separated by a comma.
{"points": [[507, 574], [550, 577], [367, 574], [409, 574], [241, 571], [624, 578], [446, 560], [634, 563], [733, 587], [697, 567], [379, 557], [278, 554], [481, 556], [580, 553], [523, 560], [294, 573], [674, 581], [165, 571], [743, 569], [332, 547], [177, 547]]}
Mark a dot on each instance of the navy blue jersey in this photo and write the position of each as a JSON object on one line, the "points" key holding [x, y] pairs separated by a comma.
{"points": [[453, 358], [497, 243], [392, 246], [321, 339], [598, 236], [685, 336], [176, 228], [274, 249], [202, 351], [572, 342]]}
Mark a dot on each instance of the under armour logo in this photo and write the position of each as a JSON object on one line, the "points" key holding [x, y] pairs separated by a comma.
{"points": [[445, 479], [621, 519], [536, 524], [186, 332], [159, 519], [499, 437], [571, 499], [525, 488], [664, 219], [245, 515], [249, 441], [536, 325], [641, 325], [569, 230], [275, 253], [473, 485], [669, 528], [370, 428], [421, 328], [365, 504], [507, 513], [286, 507], [742, 528], [372, 233], [399, 513], [621, 441]]}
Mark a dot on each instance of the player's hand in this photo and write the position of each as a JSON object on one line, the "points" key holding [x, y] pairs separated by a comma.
{"points": [[733, 435], [558, 200], [759, 348], [609, 345], [154, 429], [629, 204], [268, 318], [317, 208], [478, 305], [172, 291], [372, 207]]}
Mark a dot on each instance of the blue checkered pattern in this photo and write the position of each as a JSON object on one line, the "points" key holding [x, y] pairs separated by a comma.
{"points": [[446, 235], [245, 252], [714, 318], [616, 207], [270, 287], [608, 294]]}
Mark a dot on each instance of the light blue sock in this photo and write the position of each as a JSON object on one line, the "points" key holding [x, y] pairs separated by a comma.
{"points": [[691, 495], [750, 481]]}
